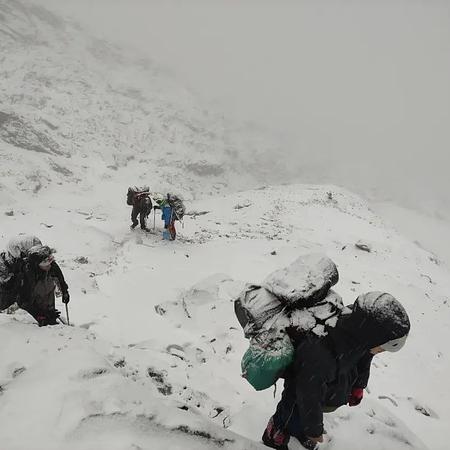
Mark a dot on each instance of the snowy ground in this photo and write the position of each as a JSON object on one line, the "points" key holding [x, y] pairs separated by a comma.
{"points": [[153, 360], [428, 230], [156, 343]]}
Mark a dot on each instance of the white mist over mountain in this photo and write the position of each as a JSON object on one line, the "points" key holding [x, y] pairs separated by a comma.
{"points": [[357, 93]]}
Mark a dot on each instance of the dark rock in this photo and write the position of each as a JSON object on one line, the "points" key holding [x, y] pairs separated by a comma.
{"points": [[160, 310], [18, 371], [60, 169], [17, 131], [363, 246], [159, 377], [120, 363], [242, 205], [81, 260], [94, 373], [422, 410]]}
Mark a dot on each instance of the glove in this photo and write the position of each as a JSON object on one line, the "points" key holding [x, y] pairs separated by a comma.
{"points": [[65, 297], [355, 396]]}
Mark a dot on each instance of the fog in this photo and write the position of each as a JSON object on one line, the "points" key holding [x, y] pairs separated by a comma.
{"points": [[359, 91]]}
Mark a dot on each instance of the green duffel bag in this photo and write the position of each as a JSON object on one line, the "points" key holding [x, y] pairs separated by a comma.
{"points": [[265, 360]]}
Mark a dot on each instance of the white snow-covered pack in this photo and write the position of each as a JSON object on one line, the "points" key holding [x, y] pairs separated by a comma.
{"points": [[304, 282], [297, 296], [291, 301], [16, 249]]}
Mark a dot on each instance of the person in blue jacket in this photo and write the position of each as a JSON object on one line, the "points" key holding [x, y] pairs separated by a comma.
{"points": [[172, 208]]}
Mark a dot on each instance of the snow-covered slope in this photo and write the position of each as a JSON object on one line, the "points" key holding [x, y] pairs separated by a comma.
{"points": [[156, 343], [154, 358], [75, 108]]}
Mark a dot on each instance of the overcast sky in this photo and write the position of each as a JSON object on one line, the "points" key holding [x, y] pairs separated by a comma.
{"points": [[362, 87]]}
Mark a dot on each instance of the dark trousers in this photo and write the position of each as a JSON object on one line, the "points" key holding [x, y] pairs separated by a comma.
{"points": [[41, 302], [137, 211], [286, 417]]}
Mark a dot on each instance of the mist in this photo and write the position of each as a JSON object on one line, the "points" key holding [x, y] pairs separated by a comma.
{"points": [[356, 92]]}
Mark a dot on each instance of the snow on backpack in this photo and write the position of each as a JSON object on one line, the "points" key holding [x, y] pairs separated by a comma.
{"points": [[305, 282], [177, 205], [11, 262], [297, 297], [133, 191], [6, 282]]}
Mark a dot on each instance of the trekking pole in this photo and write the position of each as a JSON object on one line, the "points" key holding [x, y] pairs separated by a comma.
{"points": [[154, 219], [67, 314]]}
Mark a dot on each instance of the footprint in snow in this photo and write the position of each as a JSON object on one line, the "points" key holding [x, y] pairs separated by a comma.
{"points": [[422, 409]]}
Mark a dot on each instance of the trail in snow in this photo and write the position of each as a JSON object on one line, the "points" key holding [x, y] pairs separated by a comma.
{"points": [[153, 359], [163, 313]]}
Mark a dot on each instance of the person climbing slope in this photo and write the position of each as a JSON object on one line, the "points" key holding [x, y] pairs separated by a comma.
{"points": [[331, 371], [33, 277], [172, 209], [41, 276], [139, 198]]}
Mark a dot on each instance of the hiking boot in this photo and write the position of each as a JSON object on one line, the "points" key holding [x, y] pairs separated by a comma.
{"points": [[133, 226], [307, 443], [41, 320], [274, 438]]}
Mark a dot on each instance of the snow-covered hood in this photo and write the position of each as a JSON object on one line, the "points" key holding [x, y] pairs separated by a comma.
{"points": [[375, 319]]}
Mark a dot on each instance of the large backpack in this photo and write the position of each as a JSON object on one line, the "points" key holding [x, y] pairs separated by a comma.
{"points": [[6, 281], [302, 286], [296, 299], [11, 266], [254, 307], [134, 191], [177, 205], [266, 359]]}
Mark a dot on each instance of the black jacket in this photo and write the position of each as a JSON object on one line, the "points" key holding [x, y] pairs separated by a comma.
{"points": [[32, 274], [327, 368], [143, 203]]}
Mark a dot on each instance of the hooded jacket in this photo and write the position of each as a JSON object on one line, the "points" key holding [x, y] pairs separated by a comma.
{"points": [[33, 274], [327, 368]]}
